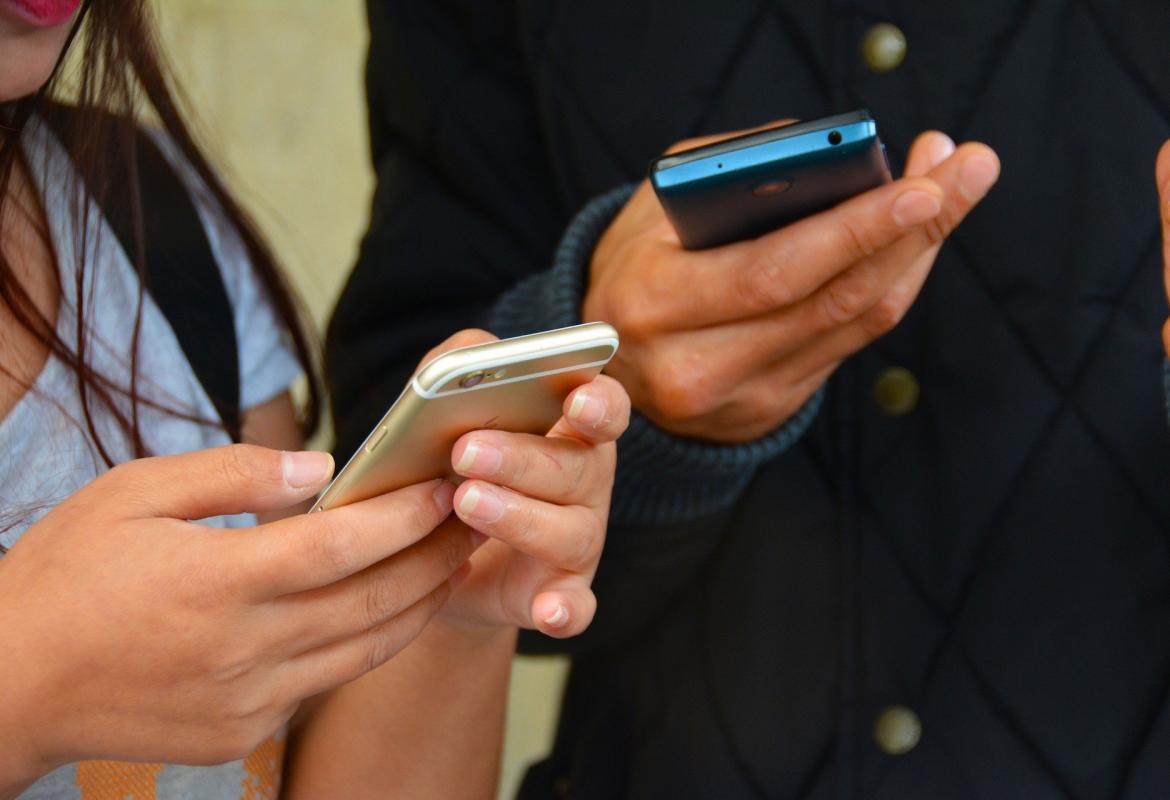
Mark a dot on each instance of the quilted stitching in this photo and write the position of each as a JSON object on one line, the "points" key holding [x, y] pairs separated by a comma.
{"points": [[952, 617], [1066, 414]]}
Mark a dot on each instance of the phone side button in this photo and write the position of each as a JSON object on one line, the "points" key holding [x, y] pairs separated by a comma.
{"points": [[375, 439]]}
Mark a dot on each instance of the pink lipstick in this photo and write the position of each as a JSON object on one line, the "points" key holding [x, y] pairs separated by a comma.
{"points": [[40, 13]]}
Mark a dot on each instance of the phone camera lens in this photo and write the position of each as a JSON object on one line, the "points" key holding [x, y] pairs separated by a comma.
{"points": [[474, 379], [770, 188], [834, 137]]}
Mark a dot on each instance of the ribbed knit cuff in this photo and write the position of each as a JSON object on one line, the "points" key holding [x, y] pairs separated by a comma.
{"points": [[661, 478], [1166, 386], [552, 299]]}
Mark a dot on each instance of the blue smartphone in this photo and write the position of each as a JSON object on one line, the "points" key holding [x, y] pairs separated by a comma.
{"points": [[746, 186]]}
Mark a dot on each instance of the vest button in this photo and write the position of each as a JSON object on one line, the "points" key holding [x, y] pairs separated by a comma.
{"points": [[897, 731], [883, 48], [896, 391]]}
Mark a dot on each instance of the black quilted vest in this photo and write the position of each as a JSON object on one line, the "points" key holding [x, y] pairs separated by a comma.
{"points": [[997, 560]]}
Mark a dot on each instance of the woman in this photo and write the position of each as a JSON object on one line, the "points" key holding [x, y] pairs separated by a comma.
{"points": [[135, 640]]}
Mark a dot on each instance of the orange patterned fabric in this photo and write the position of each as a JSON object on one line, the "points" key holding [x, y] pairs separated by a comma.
{"points": [[264, 768], [116, 780]]}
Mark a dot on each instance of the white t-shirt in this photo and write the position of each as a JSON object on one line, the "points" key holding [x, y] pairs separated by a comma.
{"points": [[46, 452]]}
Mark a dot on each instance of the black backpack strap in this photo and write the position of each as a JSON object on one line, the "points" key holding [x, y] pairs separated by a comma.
{"points": [[181, 272]]}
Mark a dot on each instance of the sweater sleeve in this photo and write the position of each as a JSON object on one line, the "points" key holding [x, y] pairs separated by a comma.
{"points": [[661, 478]]}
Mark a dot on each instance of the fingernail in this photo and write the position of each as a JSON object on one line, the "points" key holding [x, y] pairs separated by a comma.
{"points": [[305, 468], [976, 175], [916, 206], [444, 495], [480, 458], [482, 505], [558, 618], [586, 409], [941, 150]]}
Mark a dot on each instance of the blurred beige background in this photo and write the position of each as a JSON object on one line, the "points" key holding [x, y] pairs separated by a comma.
{"points": [[277, 90]]}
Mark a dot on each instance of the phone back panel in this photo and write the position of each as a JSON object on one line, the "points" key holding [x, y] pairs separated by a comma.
{"points": [[744, 187], [413, 441]]}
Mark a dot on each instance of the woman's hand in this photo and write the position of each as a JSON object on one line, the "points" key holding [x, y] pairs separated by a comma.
{"points": [[130, 633], [544, 503]]}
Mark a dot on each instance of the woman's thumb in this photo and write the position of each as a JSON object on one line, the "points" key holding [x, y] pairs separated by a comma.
{"points": [[233, 479]]}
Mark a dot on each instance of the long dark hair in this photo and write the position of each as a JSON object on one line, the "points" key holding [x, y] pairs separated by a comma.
{"points": [[122, 72]]}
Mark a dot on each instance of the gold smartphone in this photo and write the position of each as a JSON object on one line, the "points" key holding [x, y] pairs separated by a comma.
{"points": [[517, 385]]}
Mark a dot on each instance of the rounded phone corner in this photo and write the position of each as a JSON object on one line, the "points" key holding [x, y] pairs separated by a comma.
{"points": [[441, 370], [652, 169], [434, 373], [608, 333]]}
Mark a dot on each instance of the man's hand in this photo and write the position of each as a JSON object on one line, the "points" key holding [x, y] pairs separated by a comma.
{"points": [[725, 344]]}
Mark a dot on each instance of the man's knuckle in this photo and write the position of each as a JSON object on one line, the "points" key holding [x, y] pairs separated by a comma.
{"points": [[936, 231], [633, 319], [757, 402], [843, 300], [680, 394], [886, 314], [766, 283], [856, 240]]}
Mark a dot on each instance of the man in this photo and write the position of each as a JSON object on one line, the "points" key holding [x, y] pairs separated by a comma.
{"points": [[931, 564]]}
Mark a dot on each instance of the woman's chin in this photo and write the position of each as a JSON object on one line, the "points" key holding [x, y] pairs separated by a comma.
{"points": [[15, 87], [26, 62]]}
